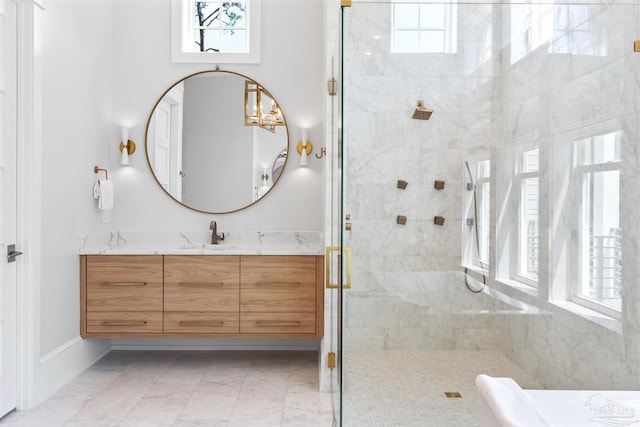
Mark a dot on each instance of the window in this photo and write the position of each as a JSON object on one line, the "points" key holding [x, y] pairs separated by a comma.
{"points": [[424, 28], [531, 27], [527, 179], [597, 165], [483, 193], [215, 31]]}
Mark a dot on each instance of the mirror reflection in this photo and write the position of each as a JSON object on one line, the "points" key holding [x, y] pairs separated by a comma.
{"points": [[217, 141]]}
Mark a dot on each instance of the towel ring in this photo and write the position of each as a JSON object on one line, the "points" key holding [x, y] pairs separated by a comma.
{"points": [[96, 169]]}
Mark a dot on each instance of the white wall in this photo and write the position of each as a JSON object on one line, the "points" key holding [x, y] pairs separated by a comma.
{"points": [[105, 64]]}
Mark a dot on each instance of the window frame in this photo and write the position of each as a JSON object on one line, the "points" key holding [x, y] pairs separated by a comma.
{"points": [[520, 178], [580, 173], [481, 181], [181, 28], [449, 28]]}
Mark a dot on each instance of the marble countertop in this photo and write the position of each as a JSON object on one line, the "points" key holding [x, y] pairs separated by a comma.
{"points": [[121, 242]]}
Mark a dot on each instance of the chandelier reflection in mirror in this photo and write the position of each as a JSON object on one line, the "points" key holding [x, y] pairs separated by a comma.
{"points": [[255, 113]]}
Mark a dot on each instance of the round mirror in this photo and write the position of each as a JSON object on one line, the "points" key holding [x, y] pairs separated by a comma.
{"points": [[216, 141]]}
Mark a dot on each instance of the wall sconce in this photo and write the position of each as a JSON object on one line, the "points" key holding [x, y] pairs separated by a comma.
{"points": [[304, 148], [127, 147]]}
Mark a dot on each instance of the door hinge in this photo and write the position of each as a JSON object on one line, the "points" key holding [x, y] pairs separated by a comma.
{"points": [[331, 360], [332, 87]]}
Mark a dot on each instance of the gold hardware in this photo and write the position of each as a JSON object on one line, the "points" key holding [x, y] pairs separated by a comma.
{"points": [[345, 3], [438, 185], [452, 394], [323, 152], [96, 169], [332, 87], [401, 219], [636, 46], [279, 285], [308, 147], [333, 253], [212, 323], [402, 184], [331, 360], [124, 283], [201, 284], [131, 147], [347, 226], [438, 220], [268, 323], [347, 217], [124, 322]]}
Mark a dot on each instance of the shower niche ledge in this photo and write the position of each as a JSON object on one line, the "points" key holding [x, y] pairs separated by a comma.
{"points": [[148, 292]]}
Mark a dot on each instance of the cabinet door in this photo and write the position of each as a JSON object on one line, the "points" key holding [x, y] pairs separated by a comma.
{"points": [[278, 284], [201, 294]]}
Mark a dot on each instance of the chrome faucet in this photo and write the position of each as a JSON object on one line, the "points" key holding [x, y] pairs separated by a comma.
{"points": [[215, 238]]}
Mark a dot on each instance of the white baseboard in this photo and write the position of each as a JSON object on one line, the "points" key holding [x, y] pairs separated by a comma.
{"points": [[216, 344], [60, 366]]}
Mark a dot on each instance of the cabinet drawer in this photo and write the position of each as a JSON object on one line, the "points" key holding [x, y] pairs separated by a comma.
{"points": [[201, 322], [278, 323], [278, 284], [201, 283], [124, 283], [124, 322]]}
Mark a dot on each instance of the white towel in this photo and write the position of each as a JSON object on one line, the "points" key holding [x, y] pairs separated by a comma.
{"points": [[508, 404], [103, 191]]}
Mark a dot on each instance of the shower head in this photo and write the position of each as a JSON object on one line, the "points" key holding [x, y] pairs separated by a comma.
{"points": [[422, 113]]}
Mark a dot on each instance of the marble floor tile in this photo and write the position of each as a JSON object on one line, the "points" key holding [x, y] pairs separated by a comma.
{"points": [[264, 389]]}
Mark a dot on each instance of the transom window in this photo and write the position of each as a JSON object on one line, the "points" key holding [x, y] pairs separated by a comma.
{"points": [[215, 31], [424, 28], [597, 163]]}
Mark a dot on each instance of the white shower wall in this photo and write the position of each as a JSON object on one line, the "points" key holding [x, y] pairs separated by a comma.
{"points": [[487, 105]]}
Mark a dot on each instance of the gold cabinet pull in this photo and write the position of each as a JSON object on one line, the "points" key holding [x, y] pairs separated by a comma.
{"points": [[279, 285], [209, 284], [124, 322], [124, 283], [272, 323], [214, 323]]}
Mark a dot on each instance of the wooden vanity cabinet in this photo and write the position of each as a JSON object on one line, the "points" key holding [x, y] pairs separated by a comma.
{"points": [[121, 295], [202, 296]]}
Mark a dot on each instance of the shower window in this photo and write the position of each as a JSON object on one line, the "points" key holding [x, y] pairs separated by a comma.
{"points": [[223, 32], [597, 168], [424, 28], [527, 178], [531, 27]]}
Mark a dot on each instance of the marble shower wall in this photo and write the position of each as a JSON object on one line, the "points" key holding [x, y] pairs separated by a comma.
{"points": [[488, 101], [383, 144]]}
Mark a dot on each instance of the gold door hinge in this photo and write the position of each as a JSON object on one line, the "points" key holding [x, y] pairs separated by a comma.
{"points": [[332, 87], [345, 3], [636, 46], [331, 360]]}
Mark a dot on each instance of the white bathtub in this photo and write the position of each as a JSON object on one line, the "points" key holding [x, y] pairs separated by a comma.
{"points": [[502, 403]]}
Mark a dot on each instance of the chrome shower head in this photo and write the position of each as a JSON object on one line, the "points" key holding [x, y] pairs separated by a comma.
{"points": [[422, 113]]}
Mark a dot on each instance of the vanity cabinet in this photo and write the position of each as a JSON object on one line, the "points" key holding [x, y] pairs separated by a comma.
{"points": [[249, 296], [122, 294]]}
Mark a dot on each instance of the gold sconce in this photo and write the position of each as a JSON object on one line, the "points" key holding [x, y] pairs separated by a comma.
{"points": [[127, 147], [304, 147], [254, 111]]}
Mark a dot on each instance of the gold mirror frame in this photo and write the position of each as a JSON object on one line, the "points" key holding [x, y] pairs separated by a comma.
{"points": [[281, 122]]}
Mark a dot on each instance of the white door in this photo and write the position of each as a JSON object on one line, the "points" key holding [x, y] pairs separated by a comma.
{"points": [[167, 146], [8, 299]]}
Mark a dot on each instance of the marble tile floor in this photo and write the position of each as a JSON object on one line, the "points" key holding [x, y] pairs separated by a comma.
{"points": [[391, 388], [385, 388], [187, 389]]}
